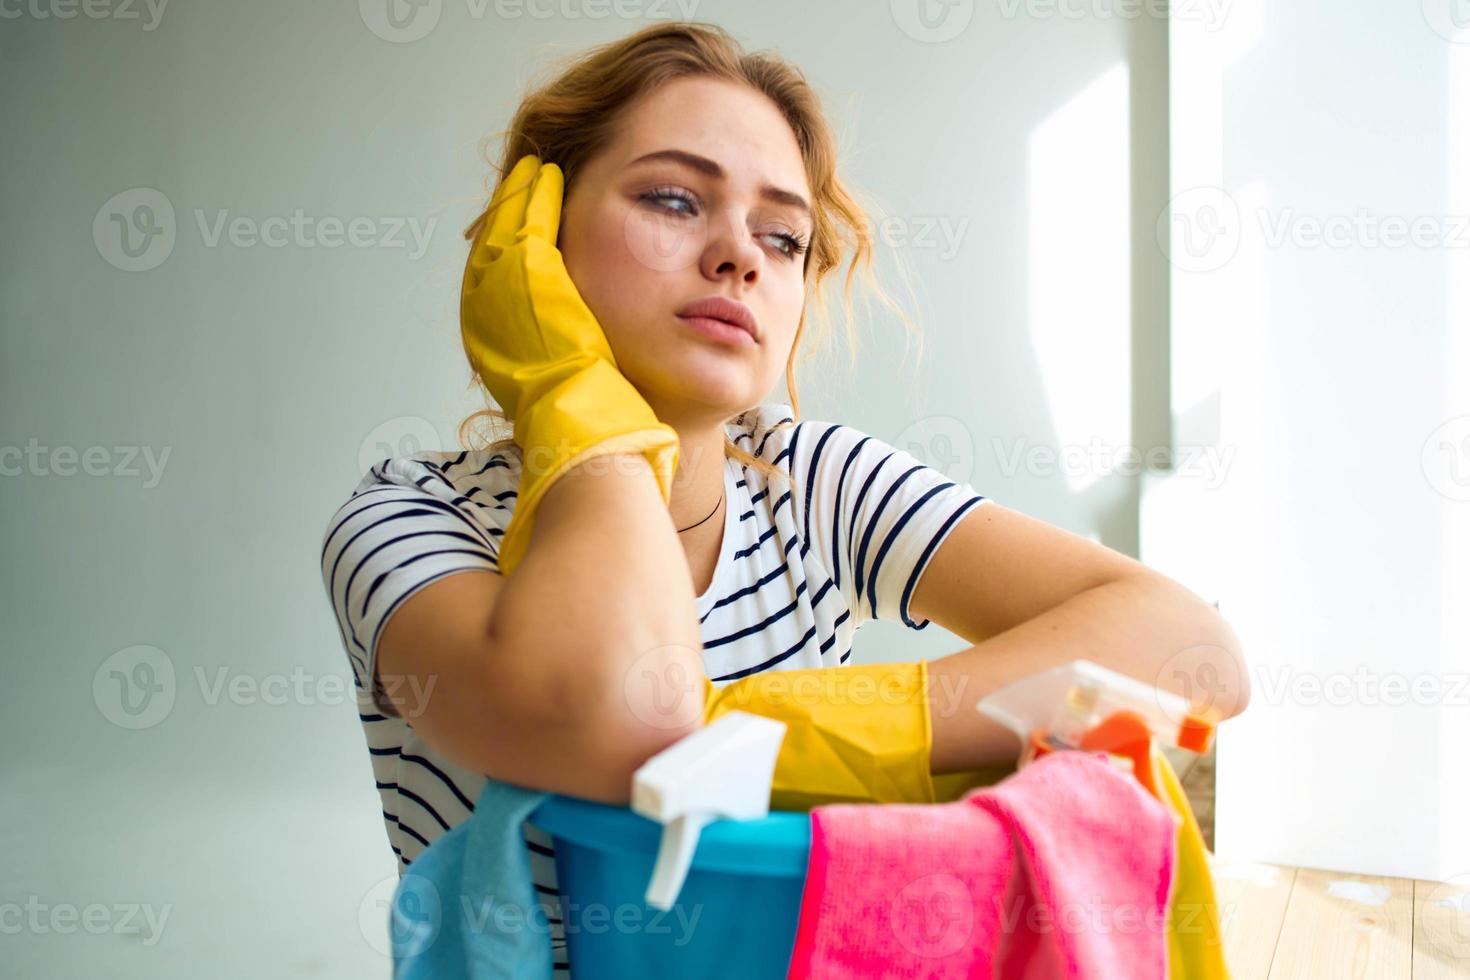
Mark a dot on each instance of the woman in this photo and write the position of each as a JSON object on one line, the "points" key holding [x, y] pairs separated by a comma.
{"points": [[700, 210]]}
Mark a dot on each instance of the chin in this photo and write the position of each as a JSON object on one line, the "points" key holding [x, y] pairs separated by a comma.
{"points": [[699, 393]]}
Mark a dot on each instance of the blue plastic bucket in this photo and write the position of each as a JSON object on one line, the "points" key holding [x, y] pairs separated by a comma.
{"points": [[735, 917]]}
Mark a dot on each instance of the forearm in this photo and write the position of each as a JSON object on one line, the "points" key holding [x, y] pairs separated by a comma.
{"points": [[1145, 626], [604, 600]]}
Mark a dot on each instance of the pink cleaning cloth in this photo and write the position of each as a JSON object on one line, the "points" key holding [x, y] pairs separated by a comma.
{"points": [[1061, 870]]}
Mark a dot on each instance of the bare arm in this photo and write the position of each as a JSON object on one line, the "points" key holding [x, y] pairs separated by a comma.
{"points": [[537, 676], [1032, 596]]}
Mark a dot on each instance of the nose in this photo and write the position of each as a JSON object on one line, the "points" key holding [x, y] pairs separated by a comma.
{"points": [[730, 251]]}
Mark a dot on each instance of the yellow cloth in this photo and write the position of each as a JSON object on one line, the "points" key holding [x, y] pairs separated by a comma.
{"points": [[1196, 947], [542, 354], [854, 734], [950, 786]]}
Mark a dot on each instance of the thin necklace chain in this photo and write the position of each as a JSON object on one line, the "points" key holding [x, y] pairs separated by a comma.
{"points": [[711, 514]]}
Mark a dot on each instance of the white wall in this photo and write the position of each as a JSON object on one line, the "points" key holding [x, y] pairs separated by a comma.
{"points": [[1321, 167], [1020, 152]]}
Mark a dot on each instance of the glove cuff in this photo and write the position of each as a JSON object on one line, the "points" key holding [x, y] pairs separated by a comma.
{"points": [[594, 412]]}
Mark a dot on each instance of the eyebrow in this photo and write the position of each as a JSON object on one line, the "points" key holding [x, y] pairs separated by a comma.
{"points": [[708, 166]]}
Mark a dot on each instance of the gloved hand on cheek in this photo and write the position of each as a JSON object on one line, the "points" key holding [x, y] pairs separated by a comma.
{"points": [[542, 354]]}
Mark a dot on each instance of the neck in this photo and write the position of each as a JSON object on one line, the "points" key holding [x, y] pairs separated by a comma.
{"points": [[699, 481]]}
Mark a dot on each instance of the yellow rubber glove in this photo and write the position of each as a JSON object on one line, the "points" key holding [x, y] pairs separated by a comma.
{"points": [[538, 349], [854, 734], [1196, 947]]}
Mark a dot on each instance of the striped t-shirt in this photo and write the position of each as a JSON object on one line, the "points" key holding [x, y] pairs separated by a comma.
{"points": [[801, 567]]}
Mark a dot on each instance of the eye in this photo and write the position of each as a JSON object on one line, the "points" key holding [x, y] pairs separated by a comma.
{"points": [[794, 245], [677, 194], [678, 201]]}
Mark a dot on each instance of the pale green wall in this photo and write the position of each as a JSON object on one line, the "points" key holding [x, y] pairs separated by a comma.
{"points": [[263, 371]]}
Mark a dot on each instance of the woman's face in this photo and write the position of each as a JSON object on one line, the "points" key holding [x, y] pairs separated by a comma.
{"points": [[701, 193]]}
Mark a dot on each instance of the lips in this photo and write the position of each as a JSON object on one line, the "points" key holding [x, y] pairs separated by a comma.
{"points": [[727, 310]]}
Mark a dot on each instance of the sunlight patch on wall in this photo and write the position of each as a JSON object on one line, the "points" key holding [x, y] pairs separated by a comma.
{"points": [[1079, 202]]}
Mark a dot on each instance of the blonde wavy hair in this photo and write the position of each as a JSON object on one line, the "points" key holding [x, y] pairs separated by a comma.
{"points": [[567, 119]]}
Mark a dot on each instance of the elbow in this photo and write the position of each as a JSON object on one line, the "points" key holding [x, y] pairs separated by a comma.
{"points": [[1202, 657], [577, 726], [630, 714], [653, 701], [1216, 673], [1242, 698]]}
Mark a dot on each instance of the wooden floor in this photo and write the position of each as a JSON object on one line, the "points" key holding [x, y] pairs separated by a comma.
{"points": [[1285, 923]]}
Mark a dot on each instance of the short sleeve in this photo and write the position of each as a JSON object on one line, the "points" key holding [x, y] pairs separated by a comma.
{"points": [[876, 513], [410, 522]]}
